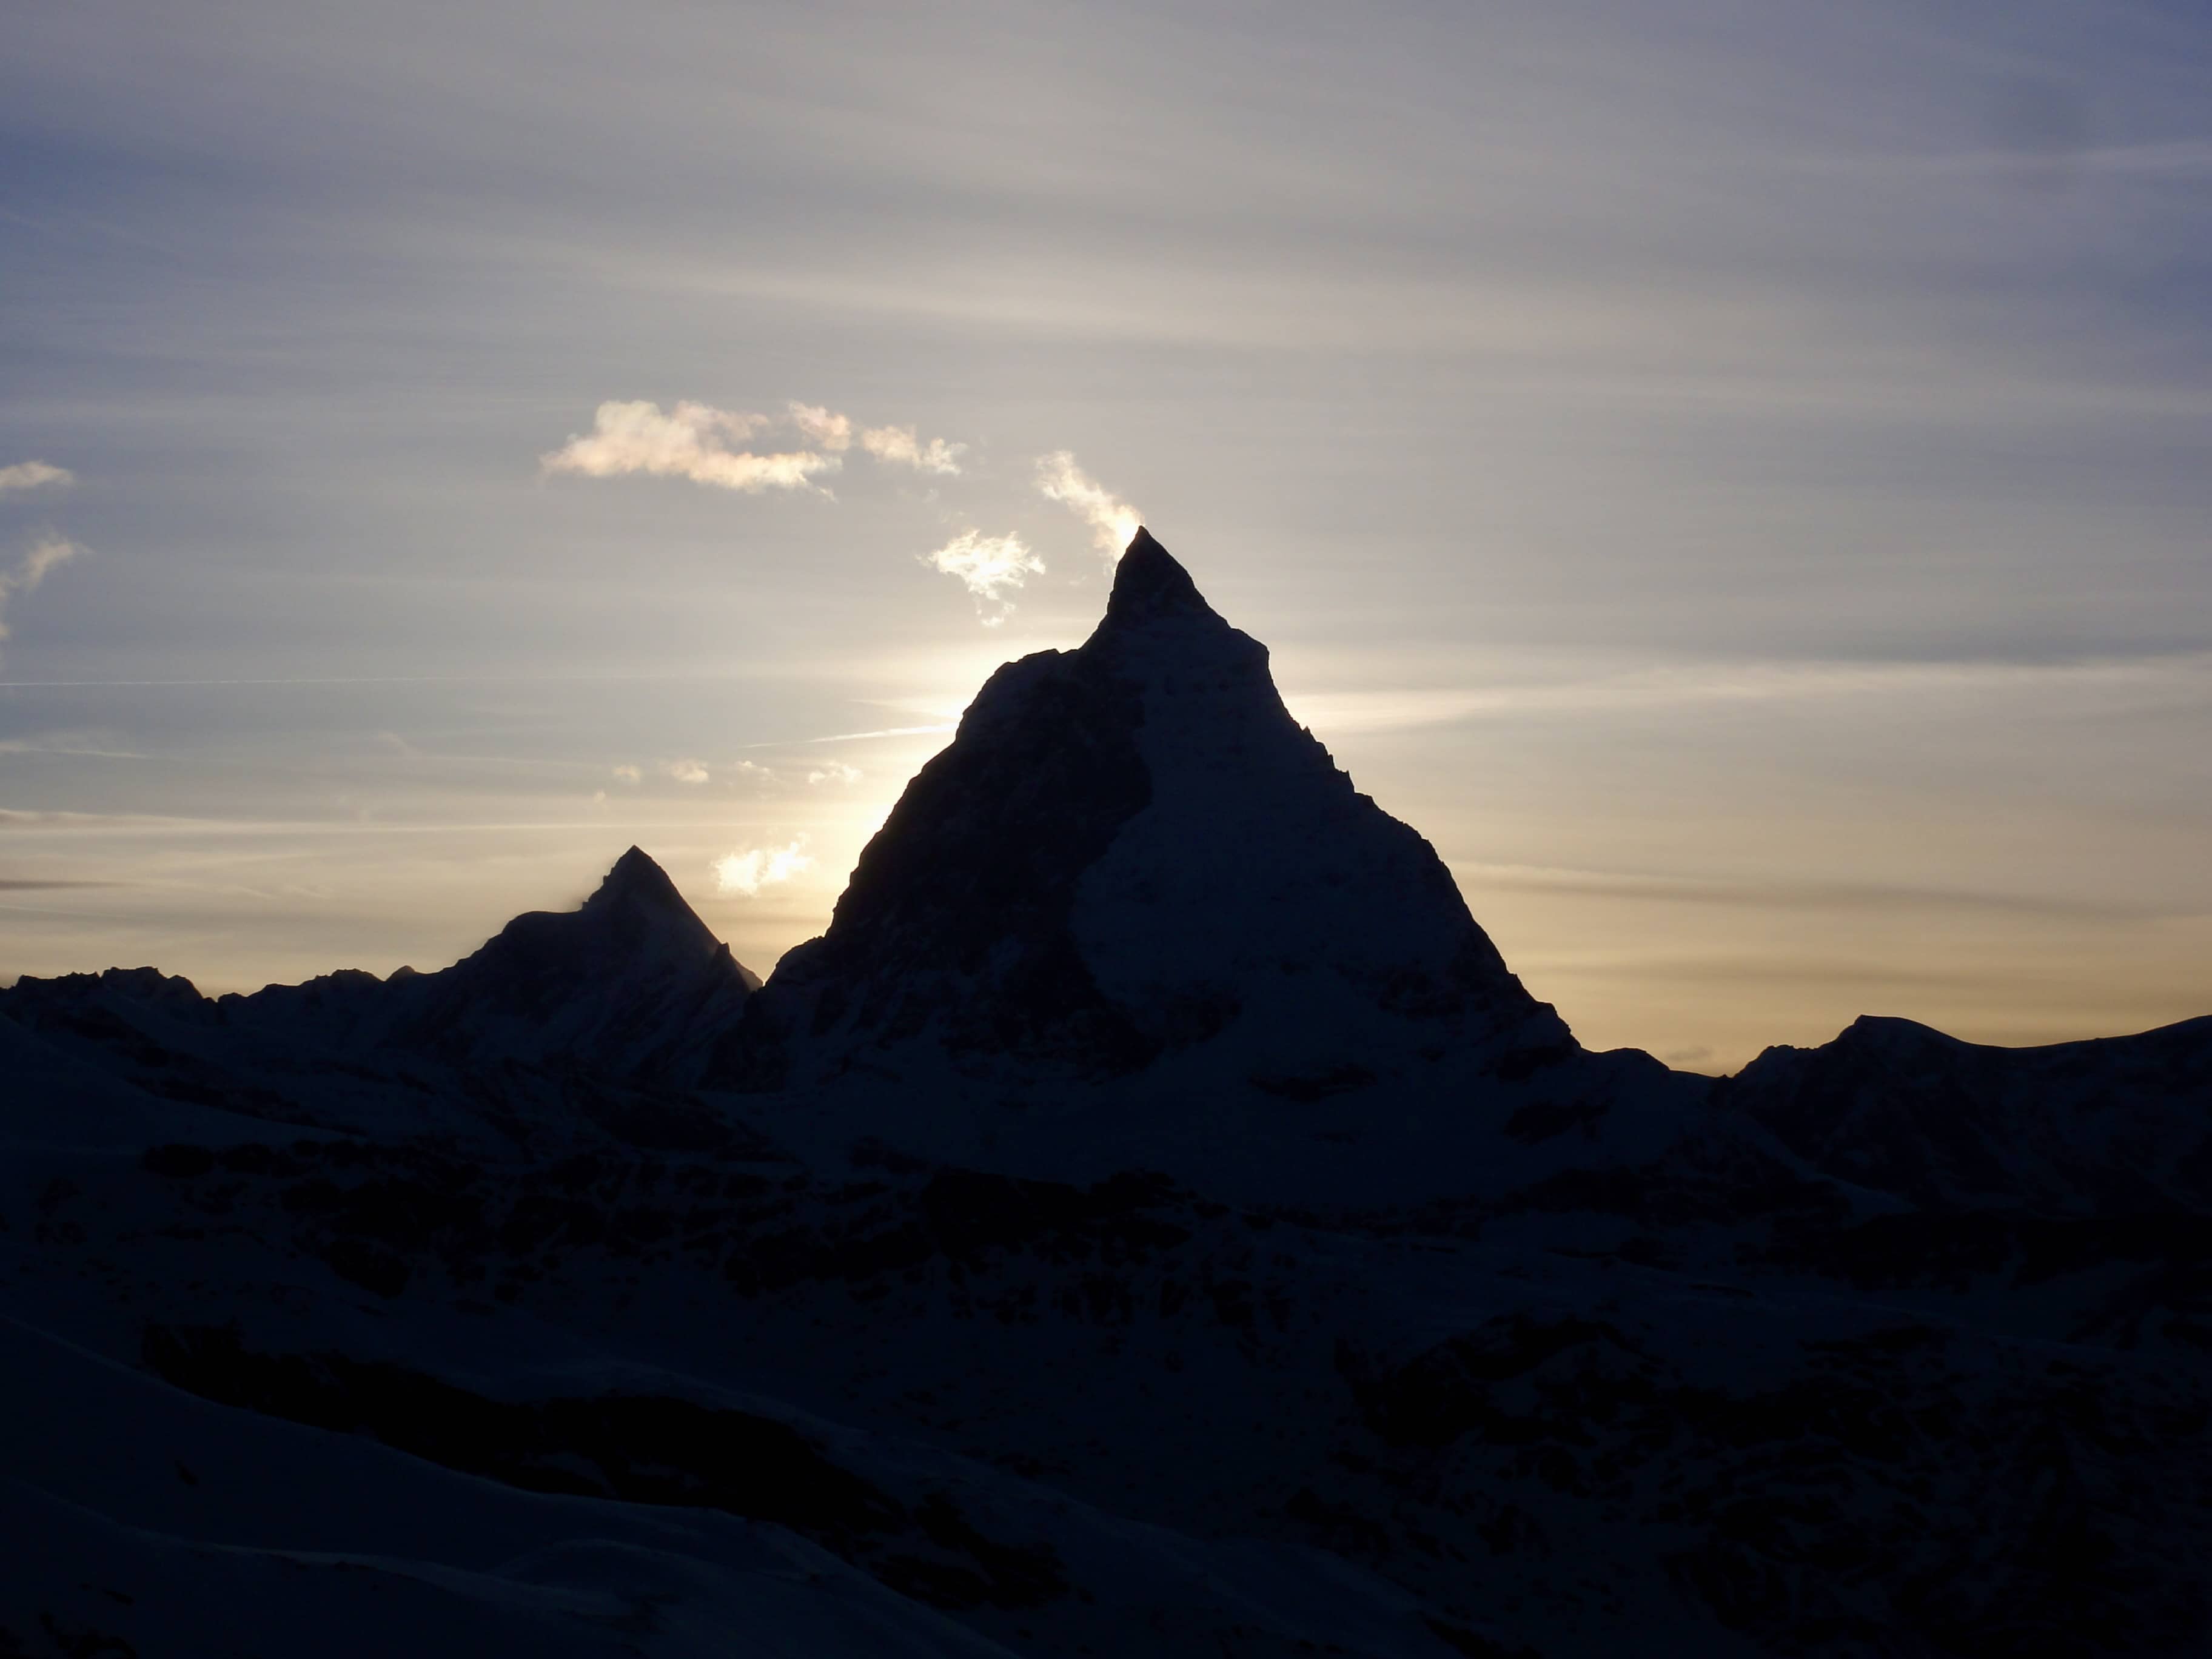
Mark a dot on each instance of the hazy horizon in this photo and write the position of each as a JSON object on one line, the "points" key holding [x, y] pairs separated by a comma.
{"points": [[1734, 478]]}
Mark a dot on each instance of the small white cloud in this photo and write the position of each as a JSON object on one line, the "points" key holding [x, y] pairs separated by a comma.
{"points": [[991, 567], [752, 772], [898, 443], [44, 554], [755, 867], [691, 440], [834, 772], [822, 429], [628, 774], [34, 475], [598, 797], [687, 771], [1114, 523]]}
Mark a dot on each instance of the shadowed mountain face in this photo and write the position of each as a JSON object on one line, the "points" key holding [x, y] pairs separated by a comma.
{"points": [[585, 1015], [632, 982], [1131, 849], [1177, 1234], [2107, 1125]]}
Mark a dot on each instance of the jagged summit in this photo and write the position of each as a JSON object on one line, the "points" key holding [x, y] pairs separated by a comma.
{"points": [[637, 879], [635, 911], [1149, 583], [1131, 851], [623, 977]]}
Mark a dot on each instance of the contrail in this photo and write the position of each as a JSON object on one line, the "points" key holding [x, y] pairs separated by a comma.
{"points": [[853, 737], [383, 679], [358, 679]]}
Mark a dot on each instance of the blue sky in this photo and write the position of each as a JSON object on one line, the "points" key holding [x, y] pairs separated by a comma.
{"points": [[1735, 476]]}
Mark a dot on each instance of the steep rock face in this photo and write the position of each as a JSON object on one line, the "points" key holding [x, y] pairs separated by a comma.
{"points": [[1130, 850], [2113, 1124]]}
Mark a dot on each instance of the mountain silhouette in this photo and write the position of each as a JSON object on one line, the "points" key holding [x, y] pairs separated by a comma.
{"points": [[1151, 1218], [633, 982], [1130, 851]]}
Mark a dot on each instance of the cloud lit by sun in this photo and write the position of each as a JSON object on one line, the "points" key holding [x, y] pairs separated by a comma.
{"points": [[700, 442], [691, 440], [1114, 523], [747, 872], [991, 568]]}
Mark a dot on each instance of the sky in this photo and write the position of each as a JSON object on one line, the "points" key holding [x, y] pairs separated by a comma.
{"points": [[1735, 474]]}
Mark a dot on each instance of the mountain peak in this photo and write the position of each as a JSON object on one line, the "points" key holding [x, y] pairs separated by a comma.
{"points": [[1128, 852], [1149, 583], [626, 980], [637, 877]]}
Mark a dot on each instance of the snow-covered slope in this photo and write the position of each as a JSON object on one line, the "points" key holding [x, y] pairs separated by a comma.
{"points": [[145, 1521]]}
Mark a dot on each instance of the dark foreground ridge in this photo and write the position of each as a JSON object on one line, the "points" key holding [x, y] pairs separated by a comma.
{"points": [[1150, 1221]]}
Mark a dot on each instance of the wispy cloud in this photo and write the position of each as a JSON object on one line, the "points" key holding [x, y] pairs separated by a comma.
{"points": [[2186, 676], [82, 745], [711, 446], [2178, 157], [2181, 159], [34, 475], [686, 771], [691, 440], [44, 554], [749, 871], [628, 774], [991, 568], [822, 429], [899, 444], [834, 772], [857, 737], [1762, 894], [1114, 523]]}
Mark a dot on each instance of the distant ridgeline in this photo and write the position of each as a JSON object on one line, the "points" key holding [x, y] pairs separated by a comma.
{"points": [[1152, 1219]]}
